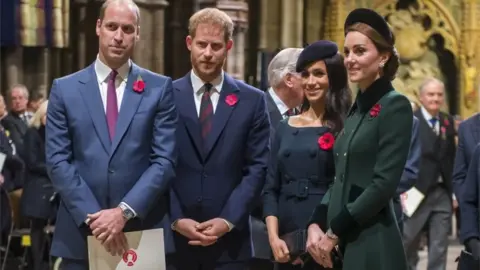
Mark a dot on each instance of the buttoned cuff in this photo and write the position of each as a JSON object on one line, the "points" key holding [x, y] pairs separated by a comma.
{"points": [[129, 208], [229, 224], [343, 223]]}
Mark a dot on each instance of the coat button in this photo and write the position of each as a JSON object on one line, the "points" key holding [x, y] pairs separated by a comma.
{"points": [[110, 171], [199, 199], [344, 154]]}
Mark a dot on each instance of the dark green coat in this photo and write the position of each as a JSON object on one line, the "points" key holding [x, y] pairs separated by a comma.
{"points": [[370, 156]]}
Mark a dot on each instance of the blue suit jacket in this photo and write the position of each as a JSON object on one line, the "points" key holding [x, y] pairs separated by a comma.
{"points": [[225, 180], [410, 172], [92, 173], [469, 200], [468, 138]]}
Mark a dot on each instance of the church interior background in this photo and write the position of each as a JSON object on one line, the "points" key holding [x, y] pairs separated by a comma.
{"points": [[45, 39]]}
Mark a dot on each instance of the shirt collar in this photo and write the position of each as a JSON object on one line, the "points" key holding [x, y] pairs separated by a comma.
{"points": [[197, 83], [103, 71], [426, 114], [278, 102]]}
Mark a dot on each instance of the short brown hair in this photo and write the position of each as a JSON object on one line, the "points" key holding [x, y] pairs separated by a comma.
{"points": [[211, 16], [391, 66], [128, 2]]}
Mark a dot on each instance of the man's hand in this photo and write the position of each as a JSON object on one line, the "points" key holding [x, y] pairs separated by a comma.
{"points": [[107, 226], [214, 227], [188, 228], [2, 180], [455, 204]]}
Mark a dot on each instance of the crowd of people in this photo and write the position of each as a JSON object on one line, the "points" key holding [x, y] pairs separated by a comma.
{"points": [[228, 170]]}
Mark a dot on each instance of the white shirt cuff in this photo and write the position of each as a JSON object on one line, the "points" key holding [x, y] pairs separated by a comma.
{"points": [[229, 224]]}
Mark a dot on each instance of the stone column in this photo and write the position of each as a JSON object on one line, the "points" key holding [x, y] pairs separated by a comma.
{"points": [[14, 66], [158, 38], [238, 11], [292, 24], [43, 72], [149, 49], [314, 19], [270, 25], [81, 45]]}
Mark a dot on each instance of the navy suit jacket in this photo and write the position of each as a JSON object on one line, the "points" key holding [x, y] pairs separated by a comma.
{"points": [[91, 172], [468, 138], [227, 178], [469, 200], [410, 172]]}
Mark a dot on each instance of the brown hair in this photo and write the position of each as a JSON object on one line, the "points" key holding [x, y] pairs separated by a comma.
{"points": [[391, 66], [211, 16]]}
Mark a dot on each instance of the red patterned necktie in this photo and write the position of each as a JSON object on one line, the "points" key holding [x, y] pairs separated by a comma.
{"points": [[112, 107], [206, 112], [291, 112]]}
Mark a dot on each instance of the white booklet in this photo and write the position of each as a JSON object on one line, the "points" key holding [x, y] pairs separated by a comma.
{"points": [[147, 252], [410, 200]]}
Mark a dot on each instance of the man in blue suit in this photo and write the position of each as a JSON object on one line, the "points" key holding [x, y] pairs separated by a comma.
{"points": [[110, 143], [223, 138], [469, 203], [468, 138], [410, 172]]}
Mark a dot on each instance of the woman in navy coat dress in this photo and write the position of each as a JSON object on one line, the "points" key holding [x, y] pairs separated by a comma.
{"points": [[301, 165]]}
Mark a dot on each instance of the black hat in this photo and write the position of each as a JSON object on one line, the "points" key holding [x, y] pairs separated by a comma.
{"points": [[372, 19], [314, 52]]}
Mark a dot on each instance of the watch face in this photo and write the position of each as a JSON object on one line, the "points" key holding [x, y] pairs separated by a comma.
{"points": [[128, 213]]}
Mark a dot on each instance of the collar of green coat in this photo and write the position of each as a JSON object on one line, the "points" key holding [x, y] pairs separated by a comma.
{"points": [[372, 94]]}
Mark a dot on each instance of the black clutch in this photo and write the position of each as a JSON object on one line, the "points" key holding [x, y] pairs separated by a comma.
{"points": [[466, 261], [297, 242]]}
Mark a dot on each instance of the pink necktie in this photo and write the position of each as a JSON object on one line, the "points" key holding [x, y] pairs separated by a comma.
{"points": [[112, 107]]}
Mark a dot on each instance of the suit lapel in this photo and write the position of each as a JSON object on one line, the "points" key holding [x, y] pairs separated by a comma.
{"points": [[275, 115], [93, 101], [187, 108], [130, 102], [222, 112]]}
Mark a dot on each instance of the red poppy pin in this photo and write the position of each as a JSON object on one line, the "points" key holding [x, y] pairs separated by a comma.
{"points": [[231, 99], [139, 85], [446, 122], [375, 110], [326, 141]]}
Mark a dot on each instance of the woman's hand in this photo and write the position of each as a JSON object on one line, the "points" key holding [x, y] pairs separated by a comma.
{"points": [[280, 250], [326, 246], [314, 235]]}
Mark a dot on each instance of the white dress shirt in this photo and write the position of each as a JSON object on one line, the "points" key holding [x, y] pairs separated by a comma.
{"points": [[103, 74], [199, 88]]}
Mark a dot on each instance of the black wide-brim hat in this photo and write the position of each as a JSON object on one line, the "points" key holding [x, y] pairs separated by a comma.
{"points": [[372, 19], [319, 50]]}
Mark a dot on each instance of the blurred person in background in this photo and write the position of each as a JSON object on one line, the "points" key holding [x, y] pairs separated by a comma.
{"points": [[37, 188]]}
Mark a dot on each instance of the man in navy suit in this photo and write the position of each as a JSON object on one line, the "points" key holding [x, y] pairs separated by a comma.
{"points": [[469, 203], [410, 172], [110, 143], [468, 138], [223, 139]]}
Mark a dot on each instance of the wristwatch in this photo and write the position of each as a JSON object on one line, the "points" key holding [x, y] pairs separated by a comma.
{"points": [[127, 212], [174, 225], [331, 235]]}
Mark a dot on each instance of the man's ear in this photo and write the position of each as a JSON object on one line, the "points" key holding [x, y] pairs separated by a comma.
{"points": [[98, 26], [229, 44], [287, 79], [189, 41]]}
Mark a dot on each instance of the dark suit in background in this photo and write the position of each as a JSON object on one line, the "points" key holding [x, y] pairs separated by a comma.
{"points": [[16, 128], [435, 211], [469, 204], [410, 172], [468, 138]]}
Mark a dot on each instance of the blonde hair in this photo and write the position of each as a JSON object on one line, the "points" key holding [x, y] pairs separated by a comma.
{"points": [[36, 120], [211, 16]]}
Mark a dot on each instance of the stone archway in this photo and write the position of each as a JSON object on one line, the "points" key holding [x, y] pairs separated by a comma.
{"points": [[427, 38]]}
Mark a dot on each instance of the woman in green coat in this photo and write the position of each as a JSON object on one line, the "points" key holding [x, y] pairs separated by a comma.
{"points": [[370, 155]]}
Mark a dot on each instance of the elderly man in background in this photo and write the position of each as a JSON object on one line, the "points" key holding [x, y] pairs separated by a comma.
{"points": [[285, 94]]}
